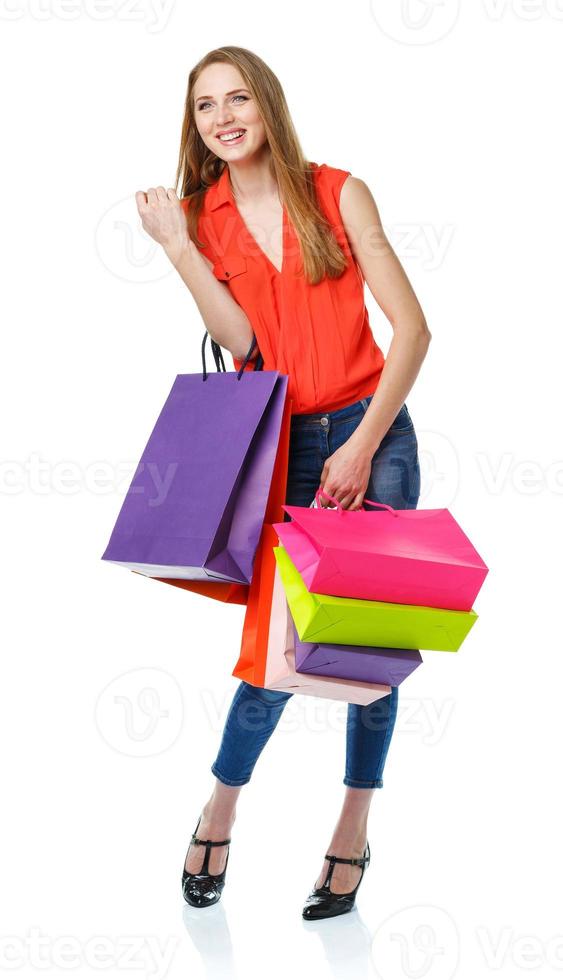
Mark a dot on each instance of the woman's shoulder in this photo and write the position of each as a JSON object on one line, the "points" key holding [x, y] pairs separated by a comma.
{"points": [[326, 171], [329, 180]]}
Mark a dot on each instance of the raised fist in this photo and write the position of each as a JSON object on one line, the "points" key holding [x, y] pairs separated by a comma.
{"points": [[163, 218]]}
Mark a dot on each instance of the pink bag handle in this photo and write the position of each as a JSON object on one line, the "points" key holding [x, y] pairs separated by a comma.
{"points": [[341, 508]]}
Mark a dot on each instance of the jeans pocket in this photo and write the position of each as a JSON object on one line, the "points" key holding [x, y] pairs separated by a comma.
{"points": [[402, 421]]}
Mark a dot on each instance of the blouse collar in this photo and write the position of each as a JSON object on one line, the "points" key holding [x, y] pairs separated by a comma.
{"points": [[220, 192]]}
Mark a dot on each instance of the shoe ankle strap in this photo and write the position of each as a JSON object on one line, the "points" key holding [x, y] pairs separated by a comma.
{"points": [[360, 861], [212, 843]]}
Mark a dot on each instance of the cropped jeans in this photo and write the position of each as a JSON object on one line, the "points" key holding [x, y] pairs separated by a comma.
{"points": [[395, 480]]}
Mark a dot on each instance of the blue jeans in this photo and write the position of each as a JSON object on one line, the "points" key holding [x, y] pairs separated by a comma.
{"points": [[395, 480]]}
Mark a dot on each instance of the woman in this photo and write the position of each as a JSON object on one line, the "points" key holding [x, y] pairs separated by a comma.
{"points": [[296, 282]]}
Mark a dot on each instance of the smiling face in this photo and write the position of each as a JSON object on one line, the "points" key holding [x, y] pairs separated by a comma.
{"points": [[224, 105]]}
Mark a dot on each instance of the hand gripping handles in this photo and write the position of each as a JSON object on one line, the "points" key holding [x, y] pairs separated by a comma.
{"points": [[341, 508]]}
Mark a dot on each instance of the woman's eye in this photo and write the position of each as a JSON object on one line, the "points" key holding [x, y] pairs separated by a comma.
{"points": [[202, 105]]}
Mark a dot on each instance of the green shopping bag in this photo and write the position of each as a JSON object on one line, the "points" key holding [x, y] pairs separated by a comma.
{"points": [[365, 622]]}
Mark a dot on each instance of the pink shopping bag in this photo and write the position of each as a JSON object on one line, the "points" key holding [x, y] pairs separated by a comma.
{"points": [[415, 557]]}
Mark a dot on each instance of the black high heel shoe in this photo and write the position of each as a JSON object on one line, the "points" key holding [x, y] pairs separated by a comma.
{"points": [[321, 902], [204, 889]]}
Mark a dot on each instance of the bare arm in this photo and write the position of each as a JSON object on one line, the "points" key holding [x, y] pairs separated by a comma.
{"points": [[225, 320], [164, 220], [395, 296]]}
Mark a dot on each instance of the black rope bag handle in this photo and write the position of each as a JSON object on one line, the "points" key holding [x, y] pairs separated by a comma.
{"points": [[218, 357]]}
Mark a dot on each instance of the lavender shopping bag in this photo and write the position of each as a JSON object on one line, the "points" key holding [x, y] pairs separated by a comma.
{"points": [[379, 665], [196, 504]]}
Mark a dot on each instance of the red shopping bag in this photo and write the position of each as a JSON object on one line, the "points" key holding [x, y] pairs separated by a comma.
{"points": [[251, 664]]}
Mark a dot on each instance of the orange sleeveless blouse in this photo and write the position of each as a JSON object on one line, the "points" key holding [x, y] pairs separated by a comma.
{"points": [[320, 336]]}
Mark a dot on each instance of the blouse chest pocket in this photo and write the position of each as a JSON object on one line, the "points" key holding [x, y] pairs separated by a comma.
{"points": [[230, 267]]}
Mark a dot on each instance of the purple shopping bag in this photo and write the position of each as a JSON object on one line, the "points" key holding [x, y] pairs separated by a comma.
{"points": [[196, 504], [378, 665]]}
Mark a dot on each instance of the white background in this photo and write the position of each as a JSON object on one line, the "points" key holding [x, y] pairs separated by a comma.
{"points": [[451, 113]]}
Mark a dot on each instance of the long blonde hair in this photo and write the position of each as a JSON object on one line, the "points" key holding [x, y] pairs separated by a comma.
{"points": [[199, 168]]}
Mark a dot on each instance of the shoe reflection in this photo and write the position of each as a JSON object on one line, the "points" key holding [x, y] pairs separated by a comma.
{"points": [[346, 942], [209, 931]]}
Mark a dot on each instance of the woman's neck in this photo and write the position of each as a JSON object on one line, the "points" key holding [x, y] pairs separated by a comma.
{"points": [[252, 181]]}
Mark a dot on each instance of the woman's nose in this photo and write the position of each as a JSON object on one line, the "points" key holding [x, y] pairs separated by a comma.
{"points": [[223, 117]]}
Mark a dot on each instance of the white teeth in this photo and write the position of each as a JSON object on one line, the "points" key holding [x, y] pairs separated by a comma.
{"points": [[231, 136]]}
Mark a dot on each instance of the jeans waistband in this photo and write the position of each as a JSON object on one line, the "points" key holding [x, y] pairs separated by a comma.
{"points": [[340, 414]]}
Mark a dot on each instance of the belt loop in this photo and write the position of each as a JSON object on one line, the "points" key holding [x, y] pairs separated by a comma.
{"points": [[364, 403]]}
